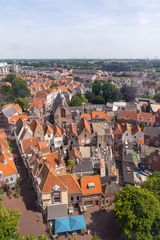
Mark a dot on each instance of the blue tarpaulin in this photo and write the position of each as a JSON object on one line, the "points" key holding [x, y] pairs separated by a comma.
{"points": [[62, 225], [77, 222], [69, 224]]}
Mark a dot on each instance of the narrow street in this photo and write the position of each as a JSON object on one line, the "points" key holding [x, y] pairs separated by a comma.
{"points": [[31, 221]]}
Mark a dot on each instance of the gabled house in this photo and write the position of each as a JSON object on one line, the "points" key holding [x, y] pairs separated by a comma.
{"points": [[22, 130], [50, 189], [74, 190], [57, 136], [37, 129], [91, 190], [54, 161], [48, 133], [8, 170], [6, 113], [72, 132], [84, 132]]}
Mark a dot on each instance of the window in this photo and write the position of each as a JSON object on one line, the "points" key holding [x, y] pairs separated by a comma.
{"points": [[89, 202], [63, 113], [6, 180], [77, 198], [107, 201], [11, 179], [71, 200], [57, 197]]}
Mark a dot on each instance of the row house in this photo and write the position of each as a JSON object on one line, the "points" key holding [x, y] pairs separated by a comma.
{"points": [[49, 97], [57, 190], [53, 135], [150, 157], [8, 170], [152, 136], [84, 132], [134, 117], [126, 133], [25, 129], [6, 113]]}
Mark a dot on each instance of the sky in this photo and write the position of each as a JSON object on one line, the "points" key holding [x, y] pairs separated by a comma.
{"points": [[79, 29]]}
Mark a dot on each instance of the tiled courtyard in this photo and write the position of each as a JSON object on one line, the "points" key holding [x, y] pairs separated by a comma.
{"points": [[31, 221]]}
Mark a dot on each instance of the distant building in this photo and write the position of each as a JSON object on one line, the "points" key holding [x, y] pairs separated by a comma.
{"points": [[4, 68]]}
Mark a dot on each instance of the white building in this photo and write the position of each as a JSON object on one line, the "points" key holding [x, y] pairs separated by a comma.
{"points": [[4, 68]]}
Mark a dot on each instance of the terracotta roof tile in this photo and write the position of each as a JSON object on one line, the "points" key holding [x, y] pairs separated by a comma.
{"points": [[95, 181], [48, 180], [101, 115], [71, 183]]}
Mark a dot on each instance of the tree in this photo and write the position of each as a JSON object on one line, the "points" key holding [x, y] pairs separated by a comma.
{"points": [[20, 88], [16, 92], [53, 85], [23, 103], [138, 213], [128, 93], [96, 87], [98, 100], [110, 92], [89, 95], [8, 223], [78, 100], [71, 164], [10, 78], [153, 184]]}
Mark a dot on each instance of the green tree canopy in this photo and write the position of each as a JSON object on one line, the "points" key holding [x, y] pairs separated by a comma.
{"points": [[53, 84], [10, 78], [18, 91], [153, 184], [23, 103], [20, 88], [98, 100], [138, 213], [78, 100], [110, 92], [96, 87], [8, 223]]}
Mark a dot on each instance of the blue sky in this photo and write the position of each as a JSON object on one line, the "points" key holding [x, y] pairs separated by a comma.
{"points": [[79, 28]]}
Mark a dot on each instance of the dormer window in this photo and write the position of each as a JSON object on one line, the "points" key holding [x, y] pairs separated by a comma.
{"points": [[56, 193], [90, 185]]}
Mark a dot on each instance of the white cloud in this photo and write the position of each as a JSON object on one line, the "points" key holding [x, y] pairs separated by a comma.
{"points": [[142, 18]]}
